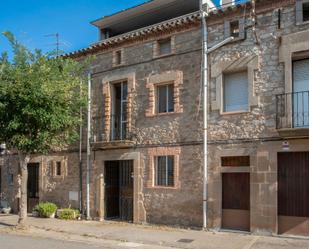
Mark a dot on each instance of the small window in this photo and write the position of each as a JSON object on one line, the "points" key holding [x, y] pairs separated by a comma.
{"points": [[58, 169], [10, 179], [165, 171], [305, 12], [235, 92], [164, 46], [234, 29], [235, 161], [118, 57], [165, 98]]}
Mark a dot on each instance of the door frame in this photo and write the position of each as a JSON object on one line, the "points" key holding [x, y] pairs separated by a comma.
{"points": [[139, 213], [38, 166]]}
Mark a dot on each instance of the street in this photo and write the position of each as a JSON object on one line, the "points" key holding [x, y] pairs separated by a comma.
{"points": [[10, 241]]}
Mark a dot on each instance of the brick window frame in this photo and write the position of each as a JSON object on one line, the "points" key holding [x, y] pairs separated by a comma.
{"points": [[63, 164], [107, 96], [249, 64], [153, 153], [175, 77]]}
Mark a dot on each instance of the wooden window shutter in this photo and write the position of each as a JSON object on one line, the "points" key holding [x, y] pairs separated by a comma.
{"points": [[53, 167], [242, 34], [64, 167], [299, 11], [227, 30]]}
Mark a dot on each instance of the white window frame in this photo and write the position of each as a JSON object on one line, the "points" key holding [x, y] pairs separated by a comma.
{"points": [[166, 171], [167, 98]]}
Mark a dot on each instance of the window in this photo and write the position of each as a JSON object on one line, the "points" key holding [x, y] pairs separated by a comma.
{"points": [[58, 168], [11, 179], [235, 161], [235, 28], [164, 171], [119, 111], [305, 12], [235, 92], [302, 11], [164, 46], [165, 98], [118, 57]]}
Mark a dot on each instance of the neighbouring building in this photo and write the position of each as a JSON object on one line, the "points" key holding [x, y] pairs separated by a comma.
{"points": [[147, 131]]}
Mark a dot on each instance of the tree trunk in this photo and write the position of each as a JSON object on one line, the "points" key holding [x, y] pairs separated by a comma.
{"points": [[23, 167]]}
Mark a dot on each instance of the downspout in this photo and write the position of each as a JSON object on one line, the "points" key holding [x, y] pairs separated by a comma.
{"points": [[88, 149], [80, 155], [205, 65], [205, 110]]}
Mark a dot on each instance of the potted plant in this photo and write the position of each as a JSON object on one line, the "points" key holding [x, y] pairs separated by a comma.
{"points": [[46, 209]]}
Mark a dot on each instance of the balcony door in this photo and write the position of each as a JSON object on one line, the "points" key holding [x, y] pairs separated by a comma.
{"points": [[119, 111], [301, 93]]}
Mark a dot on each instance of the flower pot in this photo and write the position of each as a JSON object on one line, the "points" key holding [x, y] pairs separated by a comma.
{"points": [[6, 210], [35, 213], [52, 216]]}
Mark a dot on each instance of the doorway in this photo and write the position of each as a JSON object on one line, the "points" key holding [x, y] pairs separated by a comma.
{"points": [[33, 186], [293, 189], [236, 201], [119, 190]]}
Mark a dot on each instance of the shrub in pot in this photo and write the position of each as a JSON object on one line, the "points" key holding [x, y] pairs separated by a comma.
{"points": [[46, 209], [68, 214]]}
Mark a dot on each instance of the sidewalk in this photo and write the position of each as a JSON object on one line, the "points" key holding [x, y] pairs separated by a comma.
{"points": [[156, 235]]}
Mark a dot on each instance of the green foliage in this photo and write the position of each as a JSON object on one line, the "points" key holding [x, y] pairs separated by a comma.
{"points": [[46, 209], [40, 99], [69, 214]]}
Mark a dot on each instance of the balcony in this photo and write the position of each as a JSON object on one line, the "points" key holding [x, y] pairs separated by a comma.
{"points": [[292, 114], [117, 133]]}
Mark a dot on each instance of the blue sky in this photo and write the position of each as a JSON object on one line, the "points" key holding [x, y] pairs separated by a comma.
{"points": [[32, 20]]}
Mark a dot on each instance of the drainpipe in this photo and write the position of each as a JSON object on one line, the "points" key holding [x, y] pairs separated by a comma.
{"points": [[206, 51], [80, 155], [205, 113], [88, 150]]}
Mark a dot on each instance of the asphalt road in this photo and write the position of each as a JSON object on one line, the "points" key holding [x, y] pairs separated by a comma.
{"points": [[26, 242], [13, 241]]}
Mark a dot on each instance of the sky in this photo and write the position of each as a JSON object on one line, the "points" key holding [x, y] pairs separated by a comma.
{"points": [[33, 22]]}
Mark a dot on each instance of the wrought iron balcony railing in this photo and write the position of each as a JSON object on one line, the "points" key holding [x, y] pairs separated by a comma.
{"points": [[292, 110]]}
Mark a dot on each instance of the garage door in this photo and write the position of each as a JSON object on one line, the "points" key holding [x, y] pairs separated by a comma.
{"points": [[293, 193]]}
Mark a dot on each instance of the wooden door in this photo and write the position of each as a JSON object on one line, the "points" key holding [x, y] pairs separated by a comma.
{"points": [[293, 192], [126, 190], [111, 189], [236, 201], [119, 190], [33, 185]]}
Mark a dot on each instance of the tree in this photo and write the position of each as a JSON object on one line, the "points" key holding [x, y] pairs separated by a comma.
{"points": [[40, 101]]}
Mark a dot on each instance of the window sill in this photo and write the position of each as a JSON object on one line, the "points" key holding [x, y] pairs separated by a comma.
{"points": [[162, 56], [162, 114], [302, 23], [234, 113], [118, 65], [163, 187]]}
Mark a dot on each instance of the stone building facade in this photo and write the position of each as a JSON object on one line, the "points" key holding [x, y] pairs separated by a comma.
{"points": [[147, 147]]}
